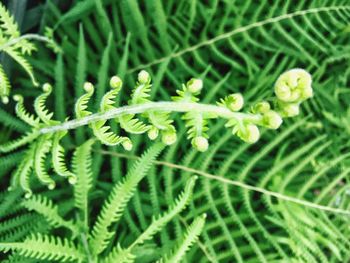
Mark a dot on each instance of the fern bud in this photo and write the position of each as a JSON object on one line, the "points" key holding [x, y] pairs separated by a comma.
{"points": [[235, 102], [249, 133], [261, 107], [272, 120], [169, 136], [200, 143], [294, 86], [51, 186], [47, 88], [153, 133], [194, 85], [5, 99], [144, 77], [72, 180], [116, 82], [289, 109], [88, 86], [127, 145], [307, 93], [282, 92]]}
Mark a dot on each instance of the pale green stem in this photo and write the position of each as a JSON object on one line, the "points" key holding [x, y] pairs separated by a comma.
{"points": [[154, 106], [86, 248], [26, 36]]}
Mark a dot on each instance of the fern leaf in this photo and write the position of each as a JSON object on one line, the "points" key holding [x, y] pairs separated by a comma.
{"points": [[4, 84], [23, 114], [82, 169], [58, 161], [141, 92], [160, 221], [120, 195], [43, 147], [23, 172], [119, 255], [46, 247], [190, 237], [13, 145], [82, 103], [39, 105], [133, 125], [23, 62], [7, 23], [103, 133], [45, 207]]}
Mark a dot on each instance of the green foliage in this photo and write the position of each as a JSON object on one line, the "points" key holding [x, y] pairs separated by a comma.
{"points": [[92, 243], [283, 199], [11, 44]]}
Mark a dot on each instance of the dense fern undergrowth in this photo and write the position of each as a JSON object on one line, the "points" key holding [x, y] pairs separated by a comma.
{"points": [[174, 131]]}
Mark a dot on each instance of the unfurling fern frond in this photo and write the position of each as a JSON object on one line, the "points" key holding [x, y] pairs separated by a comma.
{"points": [[23, 114], [190, 237], [58, 155], [45, 207], [43, 113], [292, 87], [118, 199], [42, 149], [45, 247]]}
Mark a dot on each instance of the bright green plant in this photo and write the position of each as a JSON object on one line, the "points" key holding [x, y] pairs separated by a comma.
{"points": [[16, 46], [284, 198], [291, 89], [87, 244]]}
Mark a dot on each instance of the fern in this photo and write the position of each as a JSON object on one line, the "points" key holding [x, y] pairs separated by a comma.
{"points": [[118, 198], [16, 47], [283, 199], [46, 248]]}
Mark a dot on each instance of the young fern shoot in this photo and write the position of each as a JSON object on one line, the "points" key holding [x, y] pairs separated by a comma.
{"points": [[142, 115]]}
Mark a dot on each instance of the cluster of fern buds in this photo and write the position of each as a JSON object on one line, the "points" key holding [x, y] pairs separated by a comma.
{"points": [[142, 115]]}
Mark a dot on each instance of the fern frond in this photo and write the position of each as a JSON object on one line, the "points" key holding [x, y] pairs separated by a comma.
{"points": [[190, 237], [82, 103], [8, 24], [133, 125], [44, 206], [39, 105], [58, 162], [23, 114], [160, 221], [17, 221], [23, 172], [16, 55], [108, 99], [119, 197], [119, 254], [43, 147], [13, 145], [4, 85], [107, 137], [141, 93], [82, 162], [46, 247]]}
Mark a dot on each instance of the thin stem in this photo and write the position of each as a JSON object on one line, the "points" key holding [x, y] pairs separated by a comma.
{"points": [[86, 248], [26, 36], [240, 184], [153, 106]]}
